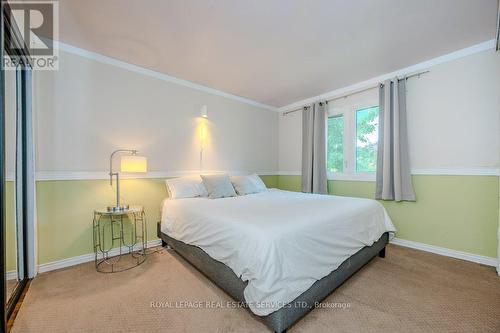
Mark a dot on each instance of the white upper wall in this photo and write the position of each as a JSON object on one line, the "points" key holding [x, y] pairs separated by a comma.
{"points": [[453, 114], [453, 117], [87, 109]]}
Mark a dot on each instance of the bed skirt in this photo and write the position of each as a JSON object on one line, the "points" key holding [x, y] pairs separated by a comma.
{"points": [[280, 320]]}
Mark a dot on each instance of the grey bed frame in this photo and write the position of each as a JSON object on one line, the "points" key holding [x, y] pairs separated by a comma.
{"points": [[283, 318]]}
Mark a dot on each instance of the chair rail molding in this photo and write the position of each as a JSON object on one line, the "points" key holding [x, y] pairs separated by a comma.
{"points": [[97, 175]]}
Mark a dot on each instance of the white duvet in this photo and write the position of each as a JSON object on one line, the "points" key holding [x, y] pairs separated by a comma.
{"points": [[280, 242]]}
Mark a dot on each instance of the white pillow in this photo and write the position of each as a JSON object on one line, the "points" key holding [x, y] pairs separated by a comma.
{"points": [[244, 185], [248, 184], [186, 187], [218, 186], [258, 182]]}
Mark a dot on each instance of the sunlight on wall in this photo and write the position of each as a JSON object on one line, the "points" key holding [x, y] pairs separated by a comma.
{"points": [[203, 137], [202, 133]]}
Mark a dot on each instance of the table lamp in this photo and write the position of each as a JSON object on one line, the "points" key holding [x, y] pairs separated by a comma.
{"points": [[128, 163]]}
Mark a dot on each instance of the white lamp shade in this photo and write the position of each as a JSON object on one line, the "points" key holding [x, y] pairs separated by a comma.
{"points": [[134, 163]]}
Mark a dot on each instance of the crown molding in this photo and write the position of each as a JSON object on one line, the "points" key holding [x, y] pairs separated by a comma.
{"points": [[497, 44], [157, 75], [488, 45]]}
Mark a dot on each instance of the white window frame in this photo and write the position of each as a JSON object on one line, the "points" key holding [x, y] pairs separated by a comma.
{"points": [[349, 143]]}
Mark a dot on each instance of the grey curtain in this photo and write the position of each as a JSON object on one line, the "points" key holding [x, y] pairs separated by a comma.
{"points": [[314, 148], [393, 167]]}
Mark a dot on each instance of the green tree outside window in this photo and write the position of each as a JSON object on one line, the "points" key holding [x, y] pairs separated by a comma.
{"points": [[366, 139], [335, 150]]}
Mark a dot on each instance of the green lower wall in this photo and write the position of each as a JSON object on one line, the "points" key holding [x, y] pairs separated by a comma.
{"points": [[65, 211], [455, 212]]}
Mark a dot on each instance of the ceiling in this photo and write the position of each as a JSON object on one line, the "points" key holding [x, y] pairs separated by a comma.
{"points": [[276, 52]]}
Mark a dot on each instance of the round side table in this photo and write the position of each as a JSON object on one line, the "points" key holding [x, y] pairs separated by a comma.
{"points": [[119, 239]]}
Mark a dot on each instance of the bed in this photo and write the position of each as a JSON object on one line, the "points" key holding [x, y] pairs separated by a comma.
{"points": [[279, 252]]}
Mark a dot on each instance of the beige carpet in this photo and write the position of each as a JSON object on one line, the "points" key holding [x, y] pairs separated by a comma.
{"points": [[408, 291]]}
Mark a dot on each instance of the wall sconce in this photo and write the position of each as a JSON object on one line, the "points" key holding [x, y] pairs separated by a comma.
{"points": [[204, 111], [128, 163]]}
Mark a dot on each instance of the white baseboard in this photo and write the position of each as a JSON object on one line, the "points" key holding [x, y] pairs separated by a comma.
{"points": [[50, 266], [11, 275], [489, 261]]}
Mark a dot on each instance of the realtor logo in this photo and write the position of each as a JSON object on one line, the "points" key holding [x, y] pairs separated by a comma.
{"points": [[36, 28]]}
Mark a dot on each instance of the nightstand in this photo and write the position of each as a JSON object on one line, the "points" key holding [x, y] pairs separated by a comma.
{"points": [[119, 239]]}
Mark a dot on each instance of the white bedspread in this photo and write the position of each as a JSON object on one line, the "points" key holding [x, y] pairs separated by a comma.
{"points": [[281, 242]]}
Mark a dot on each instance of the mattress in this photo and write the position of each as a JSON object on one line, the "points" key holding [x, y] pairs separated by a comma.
{"points": [[280, 242]]}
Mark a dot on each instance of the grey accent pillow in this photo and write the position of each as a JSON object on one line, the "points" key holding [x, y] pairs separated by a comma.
{"points": [[244, 185], [218, 186]]}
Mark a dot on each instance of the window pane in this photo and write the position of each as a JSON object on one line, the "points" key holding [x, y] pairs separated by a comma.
{"points": [[335, 153], [366, 139]]}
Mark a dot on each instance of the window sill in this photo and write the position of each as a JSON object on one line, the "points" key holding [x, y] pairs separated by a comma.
{"points": [[346, 177]]}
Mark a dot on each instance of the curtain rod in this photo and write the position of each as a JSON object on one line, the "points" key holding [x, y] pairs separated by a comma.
{"points": [[357, 92]]}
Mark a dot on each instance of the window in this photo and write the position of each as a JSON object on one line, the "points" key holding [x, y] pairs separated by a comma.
{"points": [[352, 138], [366, 139], [335, 154]]}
